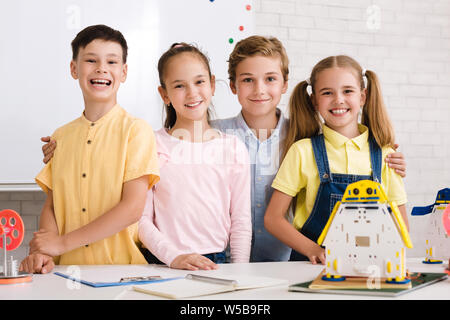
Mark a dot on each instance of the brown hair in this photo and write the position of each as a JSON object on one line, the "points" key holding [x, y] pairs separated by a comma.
{"points": [[304, 120], [102, 32], [174, 50], [257, 45]]}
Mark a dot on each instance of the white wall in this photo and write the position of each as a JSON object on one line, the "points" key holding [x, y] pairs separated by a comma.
{"points": [[408, 45], [38, 94]]}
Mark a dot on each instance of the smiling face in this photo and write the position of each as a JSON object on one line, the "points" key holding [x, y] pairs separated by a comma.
{"points": [[188, 87], [259, 85], [338, 98], [99, 68]]}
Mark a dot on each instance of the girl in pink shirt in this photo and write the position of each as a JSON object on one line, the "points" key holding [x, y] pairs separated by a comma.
{"points": [[202, 201]]}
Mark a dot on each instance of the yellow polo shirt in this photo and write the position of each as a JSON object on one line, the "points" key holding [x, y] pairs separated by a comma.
{"points": [[91, 163], [298, 174]]}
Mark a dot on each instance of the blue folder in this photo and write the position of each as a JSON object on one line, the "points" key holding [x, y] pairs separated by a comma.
{"points": [[112, 284]]}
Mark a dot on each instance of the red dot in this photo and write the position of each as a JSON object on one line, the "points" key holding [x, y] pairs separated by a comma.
{"points": [[241, 28], [248, 7]]}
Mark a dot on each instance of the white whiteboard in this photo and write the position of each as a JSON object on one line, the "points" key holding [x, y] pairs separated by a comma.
{"points": [[38, 94]]}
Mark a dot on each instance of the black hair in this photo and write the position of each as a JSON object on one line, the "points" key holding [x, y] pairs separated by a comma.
{"points": [[102, 32]]}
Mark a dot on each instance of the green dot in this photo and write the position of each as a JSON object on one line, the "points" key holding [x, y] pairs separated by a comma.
{"points": [[230, 40]]}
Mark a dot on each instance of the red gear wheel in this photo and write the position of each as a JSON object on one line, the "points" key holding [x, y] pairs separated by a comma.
{"points": [[11, 227]]}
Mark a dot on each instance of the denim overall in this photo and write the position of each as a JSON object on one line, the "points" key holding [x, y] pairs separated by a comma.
{"points": [[332, 187]]}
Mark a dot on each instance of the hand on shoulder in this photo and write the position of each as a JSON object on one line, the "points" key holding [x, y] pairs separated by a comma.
{"points": [[48, 148]]}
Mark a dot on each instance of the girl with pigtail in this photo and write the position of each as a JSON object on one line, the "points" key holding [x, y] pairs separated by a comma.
{"points": [[326, 149]]}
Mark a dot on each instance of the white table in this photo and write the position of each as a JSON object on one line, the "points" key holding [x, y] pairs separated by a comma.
{"points": [[54, 287]]}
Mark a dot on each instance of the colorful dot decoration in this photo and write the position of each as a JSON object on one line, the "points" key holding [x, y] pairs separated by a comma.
{"points": [[241, 28]]}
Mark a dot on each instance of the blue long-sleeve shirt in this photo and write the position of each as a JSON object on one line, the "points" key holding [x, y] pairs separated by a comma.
{"points": [[265, 159]]}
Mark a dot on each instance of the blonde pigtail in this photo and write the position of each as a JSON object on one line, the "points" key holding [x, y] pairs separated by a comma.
{"points": [[303, 119], [375, 115]]}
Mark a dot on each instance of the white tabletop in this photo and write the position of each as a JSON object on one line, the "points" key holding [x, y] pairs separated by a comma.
{"points": [[51, 286]]}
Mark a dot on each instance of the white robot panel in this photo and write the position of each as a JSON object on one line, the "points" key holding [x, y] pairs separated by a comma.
{"points": [[365, 235], [437, 240]]}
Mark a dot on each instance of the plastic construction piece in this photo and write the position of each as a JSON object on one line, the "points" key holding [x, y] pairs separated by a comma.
{"points": [[398, 281], [12, 229], [230, 40], [333, 278], [15, 280], [11, 232], [248, 7], [442, 198], [241, 28], [431, 261], [437, 235], [365, 235]]}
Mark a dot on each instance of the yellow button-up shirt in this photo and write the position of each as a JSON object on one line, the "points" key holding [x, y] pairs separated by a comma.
{"points": [[298, 174], [86, 174]]}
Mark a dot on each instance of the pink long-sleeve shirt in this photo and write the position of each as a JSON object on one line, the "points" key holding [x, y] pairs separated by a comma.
{"points": [[202, 200]]}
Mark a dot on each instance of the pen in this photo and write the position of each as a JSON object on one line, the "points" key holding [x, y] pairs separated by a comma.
{"points": [[148, 278], [211, 279]]}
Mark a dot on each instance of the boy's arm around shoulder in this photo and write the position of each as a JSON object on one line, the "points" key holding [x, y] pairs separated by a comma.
{"points": [[396, 160]]}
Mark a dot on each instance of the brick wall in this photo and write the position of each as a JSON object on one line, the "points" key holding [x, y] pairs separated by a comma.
{"points": [[407, 43], [409, 48]]}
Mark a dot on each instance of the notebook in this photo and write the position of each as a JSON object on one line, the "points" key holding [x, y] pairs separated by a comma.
{"points": [[355, 283], [418, 280], [194, 285]]}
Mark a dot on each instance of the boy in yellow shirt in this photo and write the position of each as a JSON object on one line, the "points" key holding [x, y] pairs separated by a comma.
{"points": [[97, 180]]}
